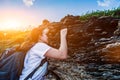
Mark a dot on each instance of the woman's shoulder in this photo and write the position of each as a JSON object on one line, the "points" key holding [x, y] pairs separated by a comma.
{"points": [[40, 44]]}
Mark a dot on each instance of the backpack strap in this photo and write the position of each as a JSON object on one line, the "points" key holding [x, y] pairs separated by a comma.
{"points": [[7, 52], [31, 74]]}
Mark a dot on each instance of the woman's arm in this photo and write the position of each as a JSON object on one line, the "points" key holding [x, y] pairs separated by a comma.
{"points": [[60, 53]]}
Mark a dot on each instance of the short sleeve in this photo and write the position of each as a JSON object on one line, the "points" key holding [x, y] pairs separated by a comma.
{"points": [[40, 49]]}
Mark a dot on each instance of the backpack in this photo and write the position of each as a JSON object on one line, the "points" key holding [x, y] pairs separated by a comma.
{"points": [[12, 63]]}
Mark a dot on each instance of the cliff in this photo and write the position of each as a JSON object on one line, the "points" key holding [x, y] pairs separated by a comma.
{"points": [[93, 47]]}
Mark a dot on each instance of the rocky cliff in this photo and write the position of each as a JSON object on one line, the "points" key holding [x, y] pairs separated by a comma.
{"points": [[93, 47]]}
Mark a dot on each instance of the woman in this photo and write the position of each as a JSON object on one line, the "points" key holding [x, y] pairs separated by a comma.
{"points": [[41, 50]]}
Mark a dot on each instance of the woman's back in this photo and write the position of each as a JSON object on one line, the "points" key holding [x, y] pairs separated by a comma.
{"points": [[33, 59]]}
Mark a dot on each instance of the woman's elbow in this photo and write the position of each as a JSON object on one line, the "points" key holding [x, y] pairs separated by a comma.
{"points": [[65, 57], [62, 57]]}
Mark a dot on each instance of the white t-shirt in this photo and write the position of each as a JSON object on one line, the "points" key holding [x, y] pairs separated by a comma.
{"points": [[32, 59]]}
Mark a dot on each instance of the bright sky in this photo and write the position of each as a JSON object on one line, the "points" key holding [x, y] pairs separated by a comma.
{"points": [[19, 14]]}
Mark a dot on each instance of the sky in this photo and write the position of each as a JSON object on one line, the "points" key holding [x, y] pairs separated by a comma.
{"points": [[19, 14]]}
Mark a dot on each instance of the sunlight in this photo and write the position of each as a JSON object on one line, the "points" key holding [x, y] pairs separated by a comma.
{"points": [[11, 24]]}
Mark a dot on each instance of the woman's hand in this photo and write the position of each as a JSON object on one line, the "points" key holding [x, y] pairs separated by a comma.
{"points": [[63, 32]]}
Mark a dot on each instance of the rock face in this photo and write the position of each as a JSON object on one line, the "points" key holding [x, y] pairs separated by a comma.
{"points": [[94, 43], [89, 36]]}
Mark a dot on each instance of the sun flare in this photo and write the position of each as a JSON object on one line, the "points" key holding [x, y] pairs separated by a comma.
{"points": [[11, 24]]}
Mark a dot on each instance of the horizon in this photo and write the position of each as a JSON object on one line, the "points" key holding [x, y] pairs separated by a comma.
{"points": [[22, 14]]}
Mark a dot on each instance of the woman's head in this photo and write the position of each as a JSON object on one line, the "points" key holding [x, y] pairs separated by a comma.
{"points": [[39, 34]]}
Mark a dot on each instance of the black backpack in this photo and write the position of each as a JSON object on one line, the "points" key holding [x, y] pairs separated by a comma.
{"points": [[12, 63]]}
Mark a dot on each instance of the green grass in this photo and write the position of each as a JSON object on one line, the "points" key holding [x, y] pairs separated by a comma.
{"points": [[16, 37], [98, 13]]}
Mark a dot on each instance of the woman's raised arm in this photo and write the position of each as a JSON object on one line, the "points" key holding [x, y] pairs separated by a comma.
{"points": [[60, 53]]}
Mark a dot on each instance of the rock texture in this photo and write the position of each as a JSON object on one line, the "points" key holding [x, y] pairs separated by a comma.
{"points": [[93, 47]]}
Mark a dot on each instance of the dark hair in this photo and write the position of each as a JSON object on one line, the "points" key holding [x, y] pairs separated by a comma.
{"points": [[35, 33], [31, 39], [25, 46]]}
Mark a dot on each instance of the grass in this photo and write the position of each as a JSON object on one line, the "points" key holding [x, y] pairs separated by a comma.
{"points": [[16, 37], [113, 13]]}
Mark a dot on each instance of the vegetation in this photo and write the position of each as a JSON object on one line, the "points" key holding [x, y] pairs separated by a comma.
{"points": [[11, 38], [113, 13]]}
